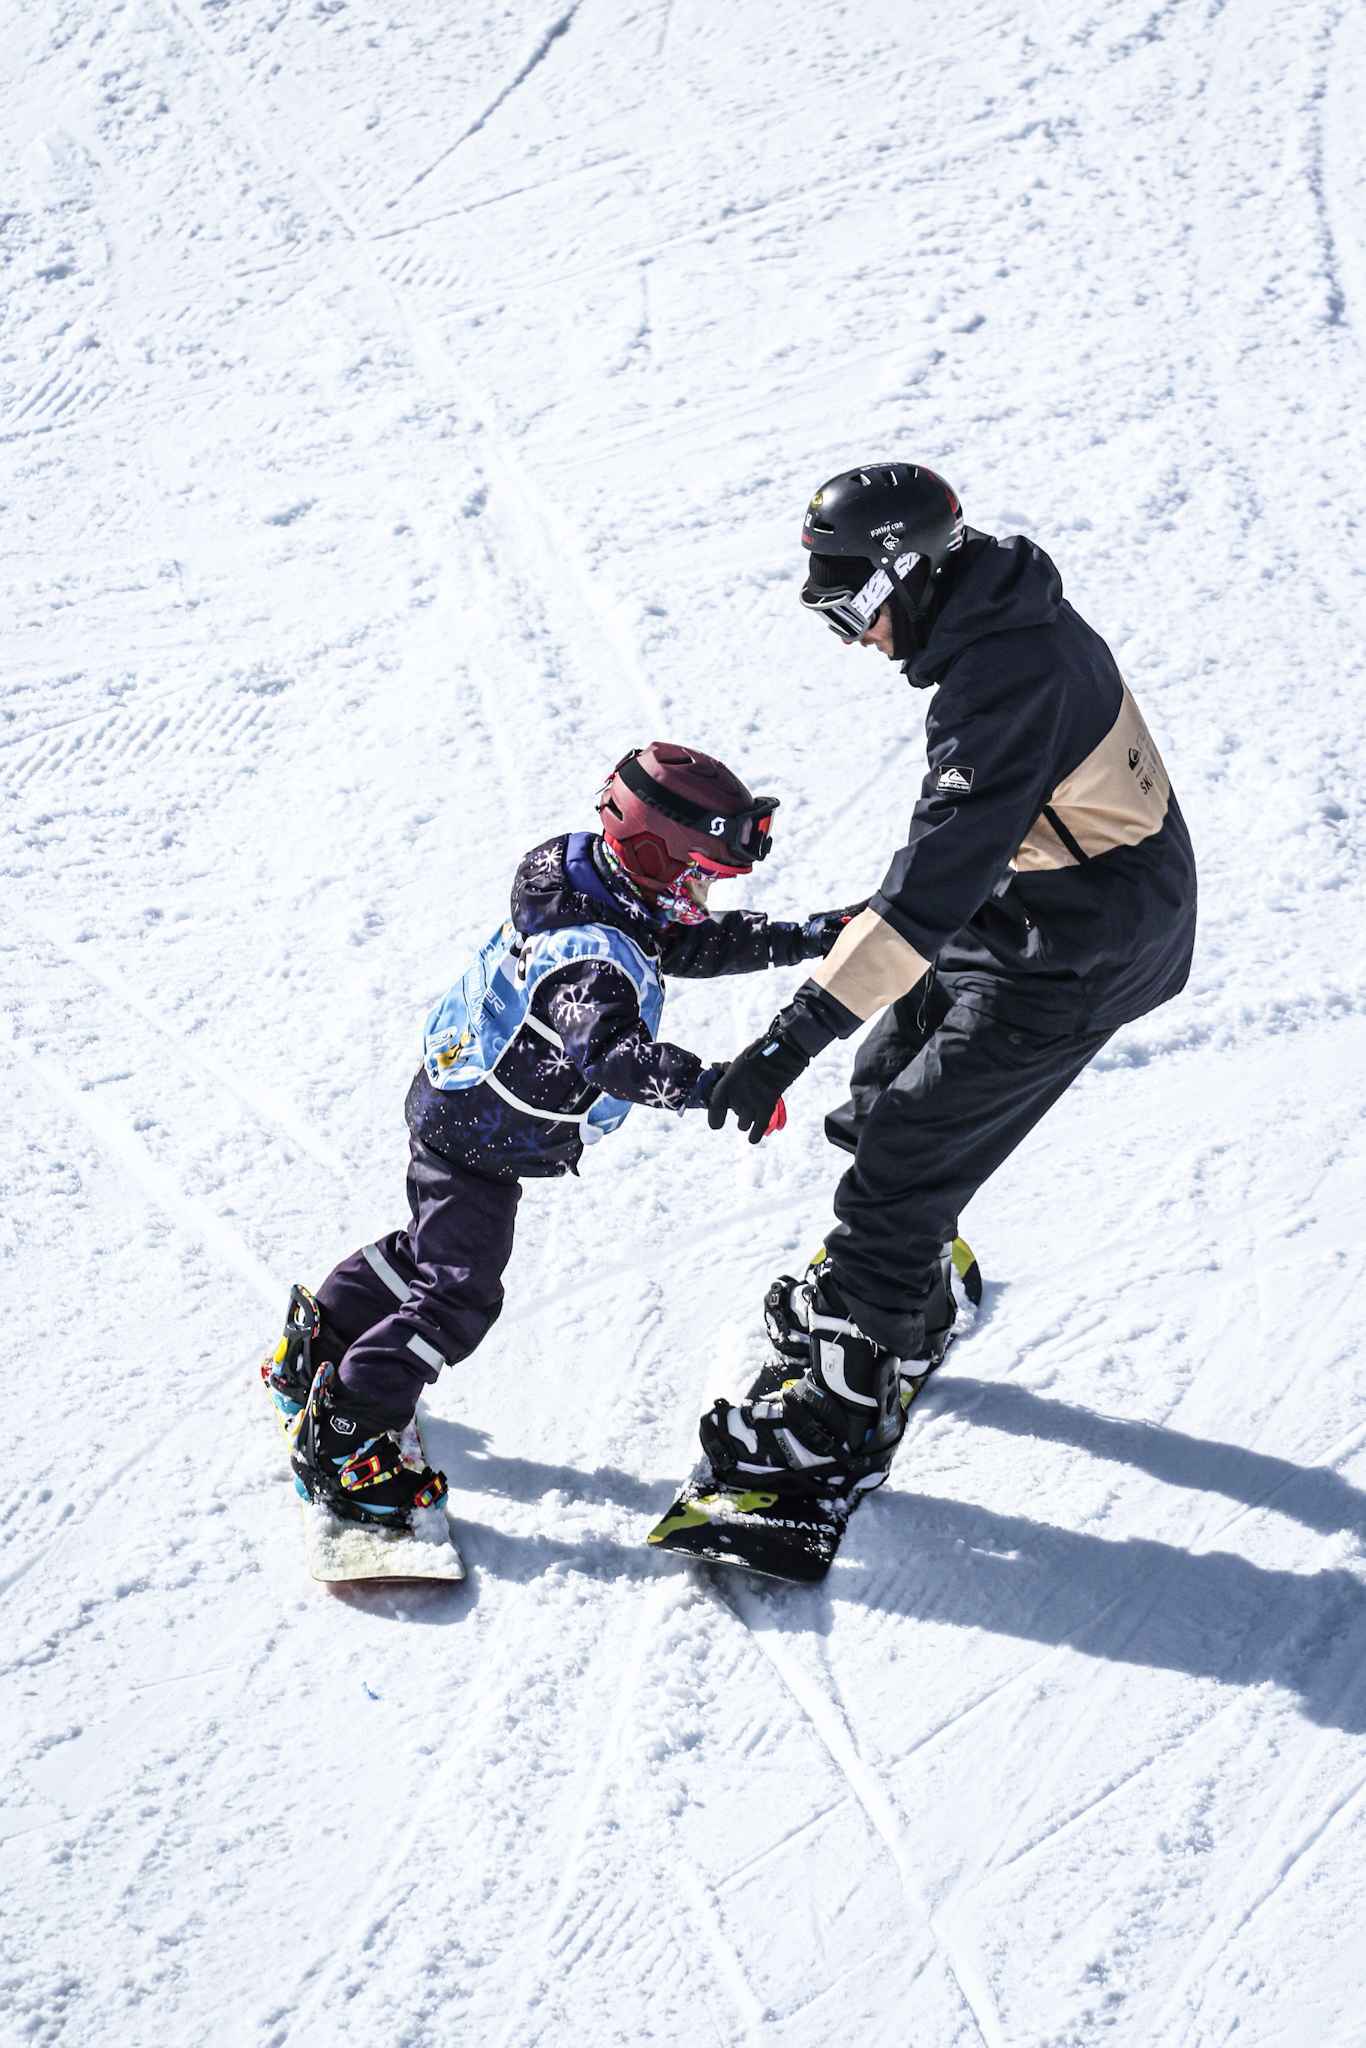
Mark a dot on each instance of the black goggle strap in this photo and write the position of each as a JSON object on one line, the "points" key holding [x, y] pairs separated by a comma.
{"points": [[747, 834]]}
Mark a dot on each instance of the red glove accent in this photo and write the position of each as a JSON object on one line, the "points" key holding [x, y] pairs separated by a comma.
{"points": [[778, 1120]]}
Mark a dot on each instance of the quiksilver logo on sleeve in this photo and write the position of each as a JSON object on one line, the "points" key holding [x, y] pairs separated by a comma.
{"points": [[957, 781]]}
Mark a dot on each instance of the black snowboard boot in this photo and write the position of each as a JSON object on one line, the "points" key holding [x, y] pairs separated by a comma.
{"points": [[785, 1306], [360, 1473], [832, 1430]]}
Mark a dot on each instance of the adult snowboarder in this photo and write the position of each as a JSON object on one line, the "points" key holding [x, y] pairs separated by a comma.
{"points": [[1044, 896], [541, 1047]]}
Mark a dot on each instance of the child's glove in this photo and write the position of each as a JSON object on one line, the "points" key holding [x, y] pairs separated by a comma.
{"points": [[699, 1095], [820, 932]]}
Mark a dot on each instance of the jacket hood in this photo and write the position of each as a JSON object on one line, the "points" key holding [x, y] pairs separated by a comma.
{"points": [[1000, 587], [561, 883]]}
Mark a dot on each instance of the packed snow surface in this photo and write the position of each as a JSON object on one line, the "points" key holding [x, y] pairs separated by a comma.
{"points": [[403, 412]]}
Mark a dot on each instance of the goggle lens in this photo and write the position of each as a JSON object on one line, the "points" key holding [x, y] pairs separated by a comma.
{"points": [[849, 613]]}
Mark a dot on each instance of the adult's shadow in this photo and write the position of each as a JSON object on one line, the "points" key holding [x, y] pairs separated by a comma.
{"points": [[1311, 1494], [1210, 1613], [1138, 1602]]}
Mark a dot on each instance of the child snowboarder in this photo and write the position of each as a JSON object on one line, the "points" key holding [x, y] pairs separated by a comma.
{"points": [[540, 1048]]}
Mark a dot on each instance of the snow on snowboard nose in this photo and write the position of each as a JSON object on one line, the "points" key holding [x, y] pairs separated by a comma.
{"points": [[340, 1552]]}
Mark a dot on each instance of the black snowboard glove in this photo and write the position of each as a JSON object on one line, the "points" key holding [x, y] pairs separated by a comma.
{"points": [[820, 932], [752, 1085]]}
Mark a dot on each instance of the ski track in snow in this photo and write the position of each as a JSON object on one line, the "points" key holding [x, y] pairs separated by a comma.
{"points": [[402, 418], [830, 1722]]}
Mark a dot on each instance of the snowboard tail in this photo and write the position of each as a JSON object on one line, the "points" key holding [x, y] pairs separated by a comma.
{"points": [[772, 1534], [340, 1553]]}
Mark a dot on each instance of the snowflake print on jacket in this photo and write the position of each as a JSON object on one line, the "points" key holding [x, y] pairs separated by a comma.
{"points": [[548, 1038]]}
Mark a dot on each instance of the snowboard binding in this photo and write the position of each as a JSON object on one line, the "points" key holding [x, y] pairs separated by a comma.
{"points": [[287, 1374], [831, 1428], [784, 1320], [847, 1475], [785, 1311]]}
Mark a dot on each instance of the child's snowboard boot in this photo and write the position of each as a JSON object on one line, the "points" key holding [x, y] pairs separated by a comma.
{"points": [[355, 1470]]}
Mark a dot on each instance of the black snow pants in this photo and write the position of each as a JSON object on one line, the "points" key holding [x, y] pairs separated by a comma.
{"points": [[396, 1311], [941, 1093]]}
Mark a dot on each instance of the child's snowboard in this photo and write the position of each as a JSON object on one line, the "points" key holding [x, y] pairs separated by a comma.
{"points": [[346, 1553]]}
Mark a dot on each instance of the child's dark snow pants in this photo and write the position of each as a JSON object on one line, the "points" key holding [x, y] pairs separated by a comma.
{"points": [[395, 1312]]}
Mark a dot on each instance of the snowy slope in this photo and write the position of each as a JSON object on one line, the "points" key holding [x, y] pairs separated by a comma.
{"points": [[402, 412]]}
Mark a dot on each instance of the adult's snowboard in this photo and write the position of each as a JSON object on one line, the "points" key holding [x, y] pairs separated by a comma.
{"points": [[788, 1536]]}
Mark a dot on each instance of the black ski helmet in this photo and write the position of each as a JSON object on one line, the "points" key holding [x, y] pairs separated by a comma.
{"points": [[887, 529]]}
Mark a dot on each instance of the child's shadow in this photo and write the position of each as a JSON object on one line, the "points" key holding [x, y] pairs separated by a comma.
{"points": [[462, 1453]]}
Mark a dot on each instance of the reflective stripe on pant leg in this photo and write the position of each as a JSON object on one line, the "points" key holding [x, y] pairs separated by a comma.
{"points": [[456, 1247], [428, 1353], [355, 1296], [378, 1264]]}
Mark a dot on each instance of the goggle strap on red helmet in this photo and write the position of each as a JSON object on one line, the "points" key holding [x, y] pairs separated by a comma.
{"points": [[745, 834]]}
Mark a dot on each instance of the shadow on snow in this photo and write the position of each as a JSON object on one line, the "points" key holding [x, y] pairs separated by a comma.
{"points": [[1211, 1614]]}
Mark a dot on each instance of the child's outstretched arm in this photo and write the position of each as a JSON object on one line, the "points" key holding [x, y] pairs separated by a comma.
{"points": [[593, 1009], [744, 940]]}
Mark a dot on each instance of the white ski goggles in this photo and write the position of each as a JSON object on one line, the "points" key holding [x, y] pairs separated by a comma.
{"points": [[850, 613]]}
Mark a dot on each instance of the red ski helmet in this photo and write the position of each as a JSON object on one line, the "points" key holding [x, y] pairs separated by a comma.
{"points": [[664, 808]]}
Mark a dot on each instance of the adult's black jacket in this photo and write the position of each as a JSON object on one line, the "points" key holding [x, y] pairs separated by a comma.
{"points": [[1047, 867]]}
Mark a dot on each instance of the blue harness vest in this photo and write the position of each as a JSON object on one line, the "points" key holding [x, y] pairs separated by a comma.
{"points": [[476, 1022]]}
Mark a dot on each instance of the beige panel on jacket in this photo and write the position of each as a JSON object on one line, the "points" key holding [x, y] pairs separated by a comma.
{"points": [[869, 966], [1116, 797]]}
